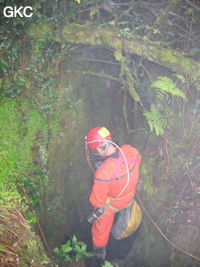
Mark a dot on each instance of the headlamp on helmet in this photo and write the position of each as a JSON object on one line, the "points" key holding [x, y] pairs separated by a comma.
{"points": [[96, 137]]}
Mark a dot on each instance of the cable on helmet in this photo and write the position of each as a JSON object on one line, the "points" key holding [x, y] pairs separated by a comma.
{"points": [[101, 135]]}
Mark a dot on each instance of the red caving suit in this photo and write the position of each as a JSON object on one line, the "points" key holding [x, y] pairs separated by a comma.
{"points": [[109, 180]]}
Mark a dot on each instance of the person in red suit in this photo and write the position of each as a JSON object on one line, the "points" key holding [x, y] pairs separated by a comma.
{"points": [[114, 186]]}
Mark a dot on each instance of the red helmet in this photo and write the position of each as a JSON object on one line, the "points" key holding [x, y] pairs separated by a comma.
{"points": [[97, 134]]}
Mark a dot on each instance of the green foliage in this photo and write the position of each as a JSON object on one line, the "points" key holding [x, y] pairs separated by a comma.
{"points": [[158, 116], [166, 85], [175, 209], [11, 84], [107, 264], [118, 55], [20, 124], [126, 33], [148, 185], [180, 77], [34, 184], [13, 31], [147, 179], [155, 120], [71, 250], [9, 195]]}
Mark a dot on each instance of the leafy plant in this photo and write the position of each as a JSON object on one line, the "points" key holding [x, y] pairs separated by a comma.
{"points": [[107, 264], [126, 33], [180, 77], [155, 120], [166, 85], [73, 249]]}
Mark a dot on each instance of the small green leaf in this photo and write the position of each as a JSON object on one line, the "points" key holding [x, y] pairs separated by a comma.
{"points": [[56, 250], [108, 5], [190, 10], [74, 239], [198, 87], [5, 44], [93, 12], [66, 249], [78, 257], [4, 64], [180, 77], [67, 258]]}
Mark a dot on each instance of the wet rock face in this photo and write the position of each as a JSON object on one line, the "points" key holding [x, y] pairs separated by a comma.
{"points": [[183, 219], [187, 221], [188, 236]]}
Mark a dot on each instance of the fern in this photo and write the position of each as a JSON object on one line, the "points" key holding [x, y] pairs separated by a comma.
{"points": [[180, 77], [155, 120], [166, 85]]}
